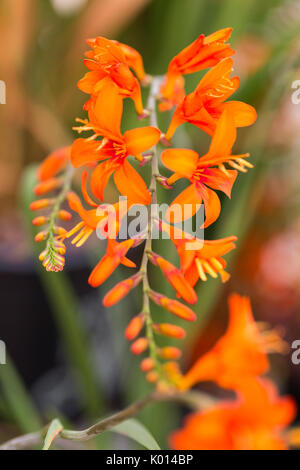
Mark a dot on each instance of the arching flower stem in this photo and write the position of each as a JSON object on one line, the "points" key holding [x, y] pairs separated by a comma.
{"points": [[151, 107]]}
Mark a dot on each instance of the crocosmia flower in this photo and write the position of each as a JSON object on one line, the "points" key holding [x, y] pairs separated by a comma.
{"points": [[256, 420], [203, 53], [204, 106], [206, 174]]}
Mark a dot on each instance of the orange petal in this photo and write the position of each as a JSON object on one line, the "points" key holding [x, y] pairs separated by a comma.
{"points": [[85, 151], [89, 81], [177, 212], [212, 206], [131, 184], [217, 179], [133, 59], [85, 194], [217, 73], [181, 161], [243, 114], [100, 178], [176, 121], [219, 36], [141, 139], [106, 114], [222, 141]]}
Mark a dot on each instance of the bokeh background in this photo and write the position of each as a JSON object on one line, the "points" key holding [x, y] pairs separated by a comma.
{"points": [[67, 355]]}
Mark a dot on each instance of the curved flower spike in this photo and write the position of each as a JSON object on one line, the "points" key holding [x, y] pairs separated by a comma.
{"points": [[204, 52], [206, 173], [204, 106], [243, 343]]}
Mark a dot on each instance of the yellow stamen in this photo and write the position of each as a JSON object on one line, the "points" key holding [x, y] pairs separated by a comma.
{"points": [[208, 268], [216, 264], [79, 236], [88, 233], [74, 230], [200, 270]]}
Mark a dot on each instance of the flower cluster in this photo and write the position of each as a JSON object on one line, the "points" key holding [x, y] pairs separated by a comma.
{"points": [[115, 73]]}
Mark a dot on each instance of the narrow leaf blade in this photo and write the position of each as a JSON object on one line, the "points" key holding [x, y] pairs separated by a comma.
{"points": [[137, 432], [54, 430]]}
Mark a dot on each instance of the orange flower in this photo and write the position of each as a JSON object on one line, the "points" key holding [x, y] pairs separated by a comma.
{"points": [[112, 59], [205, 174], [90, 220], [204, 107], [175, 278], [196, 264], [241, 353], [256, 420], [115, 255], [113, 151], [203, 53]]}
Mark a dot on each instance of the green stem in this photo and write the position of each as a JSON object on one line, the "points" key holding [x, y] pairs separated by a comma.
{"points": [[192, 399], [151, 107]]}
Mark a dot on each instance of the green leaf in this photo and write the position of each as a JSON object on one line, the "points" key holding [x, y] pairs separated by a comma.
{"points": [[137, 432], [16, 399], [55, 428]]}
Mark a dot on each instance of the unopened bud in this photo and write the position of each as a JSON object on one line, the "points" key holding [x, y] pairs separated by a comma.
{"points": [[40, 237], [170, 352], [152, 377], [40, 221], [134, 327], [40, 204], [147, 364], [47, 186], [139, 346], [166, 329], [64, 215]]}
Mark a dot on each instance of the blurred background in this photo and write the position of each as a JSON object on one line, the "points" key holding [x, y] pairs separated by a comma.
{"points": [[67, 355]]}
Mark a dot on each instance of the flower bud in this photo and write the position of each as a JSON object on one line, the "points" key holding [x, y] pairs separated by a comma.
{"points": [[40, 237], [64, 215], [147, 364], [134, 327], [173, 306], [167, 329], [40, 204], [170, 352], [139, 346], [175, 278], [152, 377], [120, 290], [47, 186], [40, 221]]}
